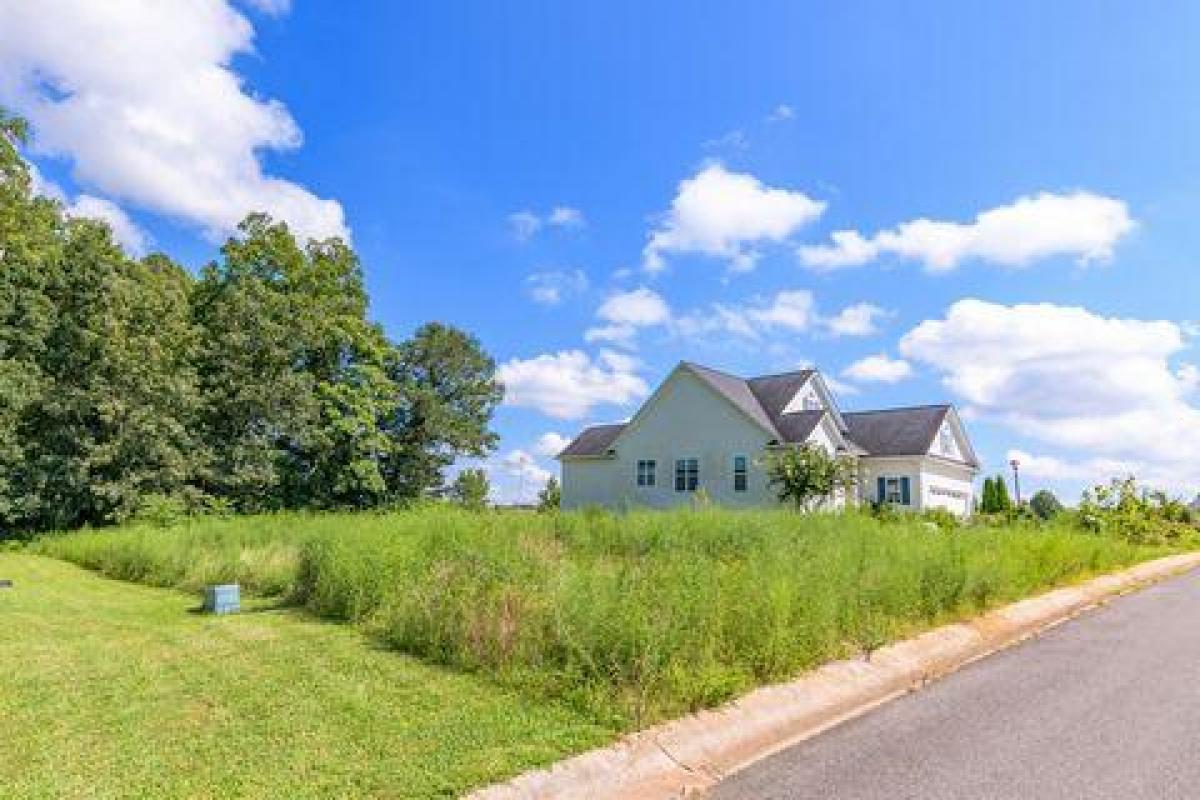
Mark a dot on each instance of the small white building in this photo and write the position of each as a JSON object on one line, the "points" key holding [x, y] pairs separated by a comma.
{"points": [[706, 429]]}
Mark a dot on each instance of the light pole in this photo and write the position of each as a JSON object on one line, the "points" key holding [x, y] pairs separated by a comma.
{"points": [[1016, 466]]}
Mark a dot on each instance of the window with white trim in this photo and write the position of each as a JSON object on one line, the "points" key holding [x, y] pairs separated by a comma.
{"points": [[892, 492], [645, 472], [687, 474], [741, 479]]}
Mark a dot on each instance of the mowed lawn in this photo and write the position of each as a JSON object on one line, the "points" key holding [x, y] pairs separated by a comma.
{"points": [[110, 689]]}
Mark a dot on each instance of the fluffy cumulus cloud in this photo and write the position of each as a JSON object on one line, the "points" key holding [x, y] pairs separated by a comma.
{"points": [[860, 319], [570, 383], [1104, 387], [879, 368], [625, 314], [141, 96], [551, 287], [125, 231], [525, 478], [550, 444], [727, 215], [525, 223], [1083, 225], [622, 314], [135, 241]]}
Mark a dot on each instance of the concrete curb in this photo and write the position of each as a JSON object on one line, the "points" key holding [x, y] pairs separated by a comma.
{"points": [[685, 756]]}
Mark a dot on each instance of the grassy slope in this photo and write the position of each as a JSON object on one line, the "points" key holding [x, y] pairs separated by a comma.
{"points": [[115, 690], [632, 618]]}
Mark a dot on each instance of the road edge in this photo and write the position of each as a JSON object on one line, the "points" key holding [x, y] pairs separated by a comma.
{"points": [[687, 755]]}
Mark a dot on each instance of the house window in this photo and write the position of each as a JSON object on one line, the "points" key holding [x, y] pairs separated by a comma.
{"points": [[812, 403], [687, 474], [895, 490], [740, 467], [645, 472]]}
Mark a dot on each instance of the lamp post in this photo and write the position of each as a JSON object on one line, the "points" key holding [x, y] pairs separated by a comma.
{"points": [[1016, 466]]}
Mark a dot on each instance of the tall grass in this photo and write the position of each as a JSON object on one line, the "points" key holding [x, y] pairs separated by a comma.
{"points": [[634, 617]]}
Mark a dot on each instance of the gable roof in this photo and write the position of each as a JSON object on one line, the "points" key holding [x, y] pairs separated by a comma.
{"points": [[899, 431], [593, 441], [737, 391], [885, 432]]}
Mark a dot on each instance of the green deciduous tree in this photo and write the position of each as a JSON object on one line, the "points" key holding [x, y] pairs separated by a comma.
{"points": [[446, 392], [259, 384], [550, 496], [1044, 504], [470, 489]]}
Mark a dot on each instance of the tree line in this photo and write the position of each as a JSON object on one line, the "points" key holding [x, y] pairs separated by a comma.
{"points": [[258, 384]]}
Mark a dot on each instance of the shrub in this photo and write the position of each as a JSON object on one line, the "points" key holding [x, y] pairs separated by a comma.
{"points": [[1045, 505]]}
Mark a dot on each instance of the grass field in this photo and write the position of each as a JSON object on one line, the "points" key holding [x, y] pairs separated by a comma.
{"points": [[628, 619], [110, 690]]}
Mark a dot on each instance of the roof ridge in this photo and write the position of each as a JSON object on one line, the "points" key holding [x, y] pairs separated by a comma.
{"points": [[697, 365], [782, 374], [899, 408]]}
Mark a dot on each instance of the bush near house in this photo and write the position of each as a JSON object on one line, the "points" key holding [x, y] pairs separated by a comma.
{"points": [[630, 618]]}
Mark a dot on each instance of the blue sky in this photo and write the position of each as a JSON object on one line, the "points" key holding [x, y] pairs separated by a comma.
{"points": [[1062, 324]]}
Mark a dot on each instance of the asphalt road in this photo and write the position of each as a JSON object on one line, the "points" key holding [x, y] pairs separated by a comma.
{"points": [[1105, 706]]}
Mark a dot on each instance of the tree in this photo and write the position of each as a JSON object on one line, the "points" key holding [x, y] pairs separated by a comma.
{"points": [[995, 498], [550, 496], [1044, 504], [807, 475], [446, 392], [470, 489], [1003, 500], [292, 374]]}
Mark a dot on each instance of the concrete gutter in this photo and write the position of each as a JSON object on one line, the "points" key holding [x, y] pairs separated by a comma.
{"points": [[683, 757]]}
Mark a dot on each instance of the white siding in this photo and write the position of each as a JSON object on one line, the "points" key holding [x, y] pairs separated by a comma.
{"points": [[686, 419], [947, 486], [933, 483]]}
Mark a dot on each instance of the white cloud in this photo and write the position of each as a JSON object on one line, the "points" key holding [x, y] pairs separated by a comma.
{"points": [[838, 387], [524, 467], [552, 287], [857, 320], [624, 313], [569, 384], [1068, 377], [781, 112], [792, 310], [727, 215], [566, 217], [1081, 224], [125, 231], [1053, 468], [878, 368], [275, 8], [550, 444], [526, 223], [142, 98], [639, 307]]}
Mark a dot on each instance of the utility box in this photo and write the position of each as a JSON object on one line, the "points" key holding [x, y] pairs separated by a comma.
{"points": [[224, 599]]}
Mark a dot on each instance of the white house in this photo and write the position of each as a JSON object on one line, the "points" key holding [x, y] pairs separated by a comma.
{"points": [[706, 429]]}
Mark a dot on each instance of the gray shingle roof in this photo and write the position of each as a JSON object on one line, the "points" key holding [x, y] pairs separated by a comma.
{"points": [[738, 391], [886, 432], [593, 441], [897, 431], [796, 427]]}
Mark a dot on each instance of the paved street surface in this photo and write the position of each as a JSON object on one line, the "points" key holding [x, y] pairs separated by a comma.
{"points": [[1105, 706]]}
